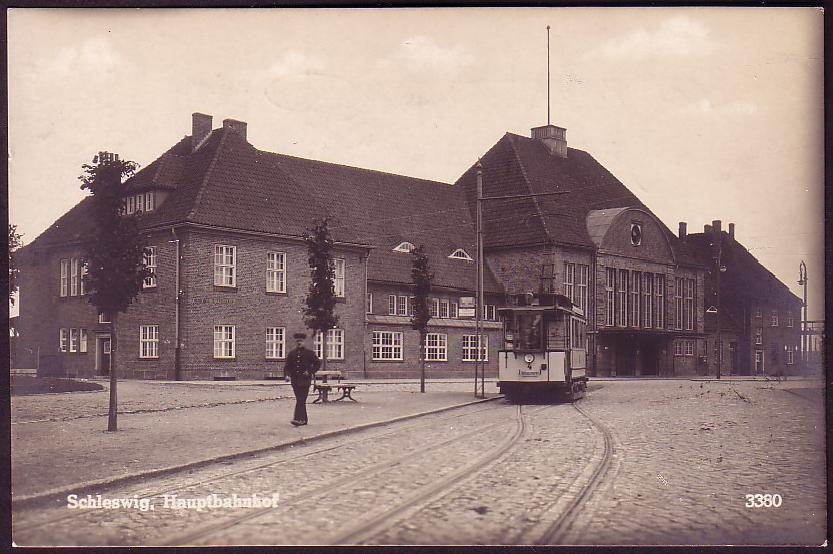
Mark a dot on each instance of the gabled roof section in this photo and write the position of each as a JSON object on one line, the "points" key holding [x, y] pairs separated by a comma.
{"points": [[599, 221]]}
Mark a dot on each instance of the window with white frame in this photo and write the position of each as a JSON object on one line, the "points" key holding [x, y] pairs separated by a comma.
{"points": [[81, 283], [678, 348], [368, 303], [148, 341], [405, 247], [104, 317], [636, 282], [759, 336], [489, 312], [622, 298], [391, 304], [790, 321], [470, 347], [582, 278], [142, 202], [338, 282], [659, 298], [64, 276], [149, 259], [75, 270], [225, 265], [647, 300], [434, 307], [224, 341], [63, 336], [452, 310], [688, 347], [790, 357], [436, 347], [774, 318], [411, 305], [82, 344], [275, 272], [275, 343], [460, 254], [73, 340], [386, 345], [570, 281], [678, 301], [335, 344], [402, 306], [689, 304], [444, 308], [610, 292]]}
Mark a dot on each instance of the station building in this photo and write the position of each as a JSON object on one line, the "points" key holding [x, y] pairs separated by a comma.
{"points": [[225, 224]]}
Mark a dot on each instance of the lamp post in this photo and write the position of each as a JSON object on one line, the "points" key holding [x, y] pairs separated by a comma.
{"points": [[479, 362], [805, 346], [719, 269]]}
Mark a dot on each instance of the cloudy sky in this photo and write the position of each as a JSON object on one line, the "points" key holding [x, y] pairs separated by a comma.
{"points": [[705, 113]]}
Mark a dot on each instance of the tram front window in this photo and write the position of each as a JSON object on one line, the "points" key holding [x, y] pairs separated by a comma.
{"points": [[527, 329]]}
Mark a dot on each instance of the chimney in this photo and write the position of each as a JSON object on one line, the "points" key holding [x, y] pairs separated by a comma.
{"points": [[707, 229], [716, 227], [732, 231], [682, 232], [200, 128], [237, 126], [554, 138]]}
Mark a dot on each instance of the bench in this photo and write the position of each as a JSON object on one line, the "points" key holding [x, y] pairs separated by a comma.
{"points": [[324, 390], [346, 391]]}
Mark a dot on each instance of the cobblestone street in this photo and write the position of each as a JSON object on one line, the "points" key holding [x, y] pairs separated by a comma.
{"points": [[635, 462]]}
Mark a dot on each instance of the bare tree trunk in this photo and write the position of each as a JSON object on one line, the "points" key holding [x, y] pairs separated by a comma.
{"points": [[324, 350], [422, 362], [112, 424]]}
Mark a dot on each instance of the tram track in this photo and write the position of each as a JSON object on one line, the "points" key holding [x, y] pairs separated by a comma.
{"points": [[41, 522], [374, 525], [557, 529]]}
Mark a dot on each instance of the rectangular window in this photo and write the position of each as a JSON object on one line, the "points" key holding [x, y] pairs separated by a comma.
{"points": [[130, 205], [689, 347], [774, 319], [444, 308], [335, 344], [411, 306], [224, 341], [148, 341], [149, 259], [368, 303], [636, 281], [622, 299], [610, 291], [678, 302], [75, 272], [82, 347], [82, 284], [759, 336], [338, 282], [64, 277], [758, 312], [140, 202], [387, 345], [402, 306], [225, 265], [62, 340], [647, 300], [570, 281], [452, 310], [391, 304], [689, 304], [581, 286], [434, 307], [790, 321], [73, 340], [659, 298], [275, 272], [470, 347], [489, 313], [104, 317], [678, 348], [436, 347], [790, 357], [275, 343], [150, 201]]}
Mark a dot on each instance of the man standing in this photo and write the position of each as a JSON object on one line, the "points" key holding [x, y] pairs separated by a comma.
{"points": [[301, 364]]}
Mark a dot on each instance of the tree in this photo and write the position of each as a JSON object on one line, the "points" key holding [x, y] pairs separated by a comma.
{"points": [[422, 278], [14, 244], [321, 300], [113, 250]]}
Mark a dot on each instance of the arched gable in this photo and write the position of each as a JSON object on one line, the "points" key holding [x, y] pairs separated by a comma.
{"points": [[631, 232]]}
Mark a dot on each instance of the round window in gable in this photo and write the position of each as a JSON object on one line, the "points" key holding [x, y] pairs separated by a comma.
{"points": [[636, 234]]}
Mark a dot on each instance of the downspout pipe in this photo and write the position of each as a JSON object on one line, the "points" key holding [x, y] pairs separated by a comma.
{"points": [[178, 347]]}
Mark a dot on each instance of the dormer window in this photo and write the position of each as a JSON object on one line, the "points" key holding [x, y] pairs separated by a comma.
{"points": [[405, 247], [142, 202], [460, 254]]}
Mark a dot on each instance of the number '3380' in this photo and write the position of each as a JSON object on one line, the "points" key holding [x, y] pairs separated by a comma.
{"points": [[763, 500]]}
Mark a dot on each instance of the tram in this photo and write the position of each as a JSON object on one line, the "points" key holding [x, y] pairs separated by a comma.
{"points": [[544, 347]]}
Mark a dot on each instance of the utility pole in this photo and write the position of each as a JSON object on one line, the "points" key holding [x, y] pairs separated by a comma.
{"points": [[805, 340]]}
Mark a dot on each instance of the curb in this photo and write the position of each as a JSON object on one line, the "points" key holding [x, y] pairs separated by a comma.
{"points": [[33, 500]]}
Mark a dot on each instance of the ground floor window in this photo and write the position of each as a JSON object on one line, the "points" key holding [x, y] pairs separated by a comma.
{"points": [[790, 357], [149, 341], [224, 341], [436, 347], [684, 348], [470, 345], [275, 343], [335, 344], [387, 345]]}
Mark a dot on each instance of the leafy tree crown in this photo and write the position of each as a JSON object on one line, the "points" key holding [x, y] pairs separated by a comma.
{"points": [[320, 300], [422, 278]]}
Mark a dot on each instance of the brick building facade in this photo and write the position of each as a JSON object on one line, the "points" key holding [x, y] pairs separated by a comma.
{"points": [[226, 222]]}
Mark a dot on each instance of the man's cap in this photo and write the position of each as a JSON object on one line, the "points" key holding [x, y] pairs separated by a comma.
{"points": [[300, 335]]}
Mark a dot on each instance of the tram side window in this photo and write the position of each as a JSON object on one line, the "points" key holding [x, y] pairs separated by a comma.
{"points": [[557, 333], [579, 334]]}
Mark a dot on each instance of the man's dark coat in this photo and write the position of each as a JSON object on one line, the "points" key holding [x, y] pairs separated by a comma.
{"points": [[301, 363]]}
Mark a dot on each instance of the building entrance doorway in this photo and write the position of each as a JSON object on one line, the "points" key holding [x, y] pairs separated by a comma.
{"points": [[102, 354], [759, 361]]}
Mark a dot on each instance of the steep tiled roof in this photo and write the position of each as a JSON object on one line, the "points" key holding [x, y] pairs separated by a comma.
{"points": [[745, 277]]}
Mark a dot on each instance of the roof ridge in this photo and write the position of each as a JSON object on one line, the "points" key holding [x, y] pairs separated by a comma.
{"points": [[529, 188], [208, 172]]}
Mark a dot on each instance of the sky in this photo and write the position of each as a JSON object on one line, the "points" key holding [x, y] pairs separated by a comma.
{"points": [[704, 113]]}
